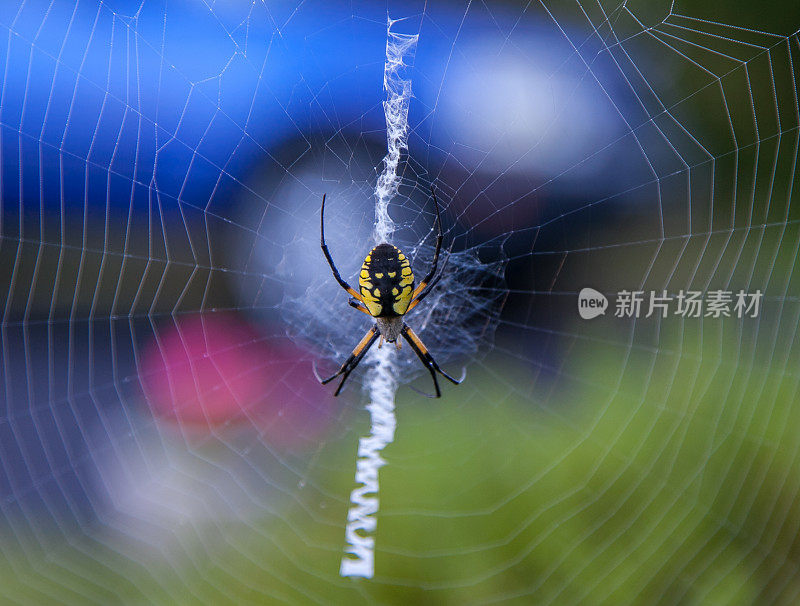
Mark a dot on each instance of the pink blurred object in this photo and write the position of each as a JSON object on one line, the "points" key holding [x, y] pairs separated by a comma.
{"points": [[207, 371]]}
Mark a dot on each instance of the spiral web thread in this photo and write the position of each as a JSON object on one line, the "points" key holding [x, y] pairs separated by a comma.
{"points": [[380, 380]]}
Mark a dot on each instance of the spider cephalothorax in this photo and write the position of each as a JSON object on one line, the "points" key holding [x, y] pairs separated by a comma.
{"points": [[387, 293]]}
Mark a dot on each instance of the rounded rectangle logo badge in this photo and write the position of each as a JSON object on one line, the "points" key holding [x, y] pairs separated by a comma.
{"points": [[591, 303]]}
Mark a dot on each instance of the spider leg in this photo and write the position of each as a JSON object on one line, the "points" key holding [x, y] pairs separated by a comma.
{"points": [[427, 359], [439, 237], [359, 307], [350, 364], [350, 290], [432, 283]]}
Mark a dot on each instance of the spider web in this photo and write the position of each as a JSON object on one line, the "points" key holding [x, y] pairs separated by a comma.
{"points": [[162, 436]]}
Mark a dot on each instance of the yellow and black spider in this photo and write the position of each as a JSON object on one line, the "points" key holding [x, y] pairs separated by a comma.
{"points": [[387, 294]]}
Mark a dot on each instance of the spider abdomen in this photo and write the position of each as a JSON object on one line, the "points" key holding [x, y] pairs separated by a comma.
{"points": [[386, 282]]}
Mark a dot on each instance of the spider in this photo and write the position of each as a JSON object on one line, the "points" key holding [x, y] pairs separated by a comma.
{"points": [[387, 294]]}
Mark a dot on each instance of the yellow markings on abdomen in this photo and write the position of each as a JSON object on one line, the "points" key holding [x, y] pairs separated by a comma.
{"points": [[386, 279], [371, 301], [367, 288], [402, 301]]}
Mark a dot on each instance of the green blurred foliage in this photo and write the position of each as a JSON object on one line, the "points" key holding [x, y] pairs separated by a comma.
{"points": [[676, 483]]}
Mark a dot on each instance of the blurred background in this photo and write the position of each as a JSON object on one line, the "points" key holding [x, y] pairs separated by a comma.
{"points": [[163, 296]]}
